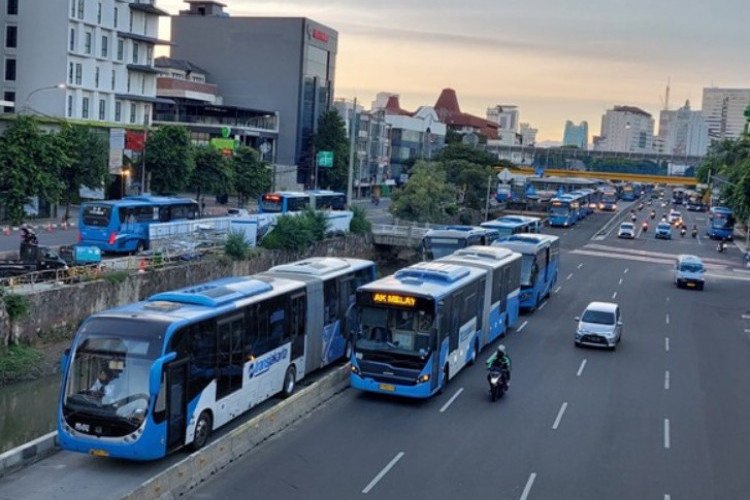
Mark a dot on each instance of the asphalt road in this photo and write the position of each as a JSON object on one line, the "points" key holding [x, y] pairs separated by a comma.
{"points": [[663, 416]]}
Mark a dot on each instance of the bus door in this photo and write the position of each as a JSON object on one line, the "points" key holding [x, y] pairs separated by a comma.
{"points": [[443, 330], [347, 297], [176, 403]]}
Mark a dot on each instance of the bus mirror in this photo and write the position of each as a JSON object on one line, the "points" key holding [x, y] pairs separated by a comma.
{"points": [[154, 379], [64, 359]]}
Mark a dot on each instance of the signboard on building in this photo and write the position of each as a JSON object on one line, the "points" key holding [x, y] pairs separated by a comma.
{"points": [[115, 161], [134, 140], [325, 158]]}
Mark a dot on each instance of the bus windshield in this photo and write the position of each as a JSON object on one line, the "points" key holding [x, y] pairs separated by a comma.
{"points": [[723, 221], [402, 331], [527, 266], [441, 247], [96, 215], [559, 209]]}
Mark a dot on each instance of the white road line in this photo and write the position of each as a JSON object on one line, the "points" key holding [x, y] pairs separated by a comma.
{"points": [[614, 295], [542, 305], [667, 318], [620, 283], [666, 380], [625, 271], [529, 484], [666, 433], [580, 265], [746, 316], [580, 368], [383, 472], [522, 326], [666, 344], [447, 404], [558, 288], [747, 330], [559, 415], [667, 299], [569, 276], [667, 497]]}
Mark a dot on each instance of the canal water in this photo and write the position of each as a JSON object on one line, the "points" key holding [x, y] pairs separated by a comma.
{"points": [[27, 411]]}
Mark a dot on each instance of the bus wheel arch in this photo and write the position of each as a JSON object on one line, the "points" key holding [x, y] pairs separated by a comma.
{"points": [[446, 377], [474, 353], [202, 430], [140, 246], [290, 381]]}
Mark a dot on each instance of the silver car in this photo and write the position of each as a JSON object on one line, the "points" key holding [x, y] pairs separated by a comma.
{"points": [[599, 325]]}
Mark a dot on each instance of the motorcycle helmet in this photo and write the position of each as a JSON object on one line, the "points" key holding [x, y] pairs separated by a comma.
{"points": [[501, 350]]}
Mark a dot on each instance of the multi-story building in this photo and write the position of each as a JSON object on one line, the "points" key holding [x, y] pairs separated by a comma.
{"points": [[682, 132], [626, 129], [506, 117], [527, 134], [724, 110], [284, 64], [576, 135], [81, 60]]}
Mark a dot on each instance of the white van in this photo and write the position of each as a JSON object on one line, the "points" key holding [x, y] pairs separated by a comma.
{"points": [[689, 271]]}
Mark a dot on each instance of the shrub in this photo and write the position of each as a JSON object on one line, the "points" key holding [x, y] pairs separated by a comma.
{"points": [[359, 224], [17, 306], [291, 233], [317, 222], [18, 361], [115, 277], [236, 247]]}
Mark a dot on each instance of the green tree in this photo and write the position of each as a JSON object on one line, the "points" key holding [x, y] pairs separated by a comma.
{"points": [[30, 165], [459, 151], [252, 177], [426, 195], [212, 172], [331, 136], [169, 159], [88, 153], [729, 160]]}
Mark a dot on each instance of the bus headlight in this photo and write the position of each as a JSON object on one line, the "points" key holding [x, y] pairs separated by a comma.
{"points": [[423, 378], [355, 370]]}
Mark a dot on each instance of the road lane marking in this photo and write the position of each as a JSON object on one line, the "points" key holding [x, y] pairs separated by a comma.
{"points": [[522, 326], [580, 368], [580, 265], [614, 295], [620, 283], [746, 316], [667, 497], [666, 344], [569, 276], [666, 433], [625, 271], [446, 405], [559, 415], [558, 288], [666, 380], [541, 306], [529, 484], [667, 318], [383, 472]]}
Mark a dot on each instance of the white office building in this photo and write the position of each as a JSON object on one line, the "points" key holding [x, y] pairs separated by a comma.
{"points": [[626, 129], [682, 132], [724, 110], [505, 115], [82, 60]]}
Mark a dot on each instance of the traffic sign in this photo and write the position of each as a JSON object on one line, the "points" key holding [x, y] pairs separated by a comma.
{"points": [[505, 175], [325, 158]]}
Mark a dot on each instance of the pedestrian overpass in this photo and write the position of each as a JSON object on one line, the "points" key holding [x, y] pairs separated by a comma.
{"points": [[673, 180]]}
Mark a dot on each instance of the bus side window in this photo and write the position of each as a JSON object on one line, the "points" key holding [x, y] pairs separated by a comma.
{"points": [[330, 301]]}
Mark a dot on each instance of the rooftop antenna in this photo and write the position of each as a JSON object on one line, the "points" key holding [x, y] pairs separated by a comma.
{"points": [[666, 97]]}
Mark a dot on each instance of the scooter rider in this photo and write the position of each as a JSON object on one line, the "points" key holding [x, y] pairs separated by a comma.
{"points": [[500, 361]]}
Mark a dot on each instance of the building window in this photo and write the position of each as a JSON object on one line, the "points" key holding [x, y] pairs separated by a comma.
{"points": [[143, 84], [102, 109], [117, 15], [10, 97], [10, 70], [128, 83], [105, 46], [12, 7], [120, 49], [85, 107], [96, 78], [73, 8], [149, 55], [87, 43], [132, 112], [118, 111], [72, 46], [114, 73], [11, 37], [99, 13], [70, 104], [71, 70], [81, 8], [79, 73], [135, 53]]}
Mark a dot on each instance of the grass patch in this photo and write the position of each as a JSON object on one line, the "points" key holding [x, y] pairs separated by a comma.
{"points": [[18, 362]]}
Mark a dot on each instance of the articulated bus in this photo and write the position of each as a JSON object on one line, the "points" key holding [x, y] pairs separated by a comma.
{"points": [[720, 223], [587, 201], [608, 199], [507, 225], [564, 210], [440, 242], [539, 265], [123, 225], [418, 328], [282, 202], [183, 363], [504, 282]]}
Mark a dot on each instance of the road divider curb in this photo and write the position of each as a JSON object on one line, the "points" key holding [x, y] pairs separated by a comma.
{"points": [[190, 472], [28, 453]]}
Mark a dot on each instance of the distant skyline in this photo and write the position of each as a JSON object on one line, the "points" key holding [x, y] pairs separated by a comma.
{"points": [[555, 60]]}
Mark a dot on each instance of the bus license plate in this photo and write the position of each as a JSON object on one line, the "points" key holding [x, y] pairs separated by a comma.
{"points": [[691, 285], [387, 387], [99, 453]]}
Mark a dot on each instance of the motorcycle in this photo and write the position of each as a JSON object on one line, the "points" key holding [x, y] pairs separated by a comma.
{"points": [[633, 217], [683, 231], [644, 226], [721, 246], [498, 383], [653, 214]]}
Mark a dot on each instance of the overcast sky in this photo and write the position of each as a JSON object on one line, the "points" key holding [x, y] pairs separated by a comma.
{"points": [[557, 60]]}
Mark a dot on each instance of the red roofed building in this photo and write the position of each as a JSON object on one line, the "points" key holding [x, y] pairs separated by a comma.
{"points": [[450, 113]]}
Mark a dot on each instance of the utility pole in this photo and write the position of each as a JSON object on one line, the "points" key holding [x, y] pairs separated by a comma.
{"points": [[352, 125]]}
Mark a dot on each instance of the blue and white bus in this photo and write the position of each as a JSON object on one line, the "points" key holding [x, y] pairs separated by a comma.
{"points": [[282, 202], [587, 201], [418, 328], [123, 225], [504, 281], [439, 242], [608, 199], [507, 225], [564, 210], [720, 223], [183, 363], [539, 265]]}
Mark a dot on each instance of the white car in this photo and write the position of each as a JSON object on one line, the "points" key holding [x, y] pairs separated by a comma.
{"points": [[627, 230], [599, 325], [674, 216]]}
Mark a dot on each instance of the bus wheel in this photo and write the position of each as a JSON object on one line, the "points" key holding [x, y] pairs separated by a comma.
{"points": [[289, 382], [473, 358], [202, 431], [446, 376], [140, 246]]}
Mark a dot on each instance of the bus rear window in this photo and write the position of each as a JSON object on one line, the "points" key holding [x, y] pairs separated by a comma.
{"points": [[96, 215]]}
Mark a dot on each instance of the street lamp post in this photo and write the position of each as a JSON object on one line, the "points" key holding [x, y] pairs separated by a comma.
{"points": [[26, 106]]}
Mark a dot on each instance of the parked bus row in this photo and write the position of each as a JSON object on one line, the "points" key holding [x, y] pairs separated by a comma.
{"points": [[420, 326], [567, 209]]}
